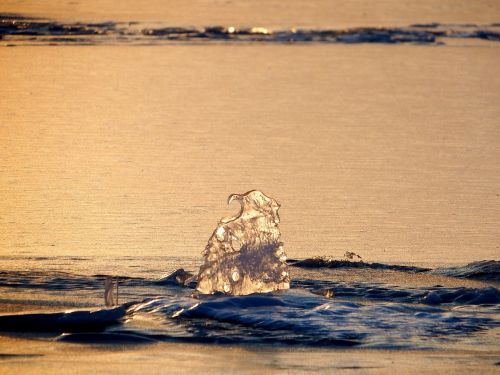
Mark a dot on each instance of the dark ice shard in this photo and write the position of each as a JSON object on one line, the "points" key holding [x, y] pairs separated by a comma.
{"points": [[245, 254]]}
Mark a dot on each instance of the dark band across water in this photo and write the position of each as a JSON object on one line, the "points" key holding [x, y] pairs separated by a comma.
{"points": [[18, 29]]}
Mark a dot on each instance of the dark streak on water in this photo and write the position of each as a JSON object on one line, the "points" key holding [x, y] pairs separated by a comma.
{"points": [[333, 263], [16, 356], [16, 29]]}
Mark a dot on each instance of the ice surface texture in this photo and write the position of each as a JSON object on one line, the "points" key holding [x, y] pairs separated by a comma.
{"points": [[245, 254]]}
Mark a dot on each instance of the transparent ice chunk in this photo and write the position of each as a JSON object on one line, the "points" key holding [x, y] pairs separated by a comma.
{"points": [[245, 254]]}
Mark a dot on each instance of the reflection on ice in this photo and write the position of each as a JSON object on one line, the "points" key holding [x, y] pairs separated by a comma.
{"points": [[245, 255]]}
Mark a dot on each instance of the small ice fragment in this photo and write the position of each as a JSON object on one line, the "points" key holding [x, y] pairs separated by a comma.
{"points": [[245, 254], [109, 297]]}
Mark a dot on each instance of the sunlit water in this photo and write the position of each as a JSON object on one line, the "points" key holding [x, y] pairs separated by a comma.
{"points": [[116, 160], [394, 158]]}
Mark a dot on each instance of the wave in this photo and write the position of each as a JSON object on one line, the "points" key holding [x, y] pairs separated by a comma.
{"points": [[75, 321], [292, 317], [23, 29], [488, 270], [318, 310], [482, 270], [130, 286], [435, 295]]}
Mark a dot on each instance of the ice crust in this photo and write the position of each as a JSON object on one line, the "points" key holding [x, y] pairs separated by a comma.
{"points": [[245, 254]]}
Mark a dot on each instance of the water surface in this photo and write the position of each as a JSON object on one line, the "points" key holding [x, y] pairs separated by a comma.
{"points": [[388, 151], [116, 159]]}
